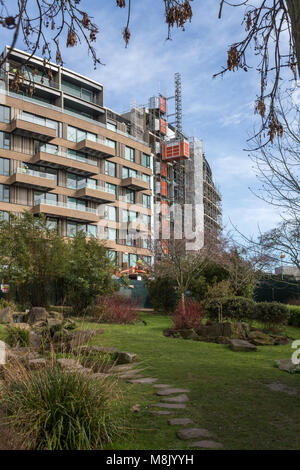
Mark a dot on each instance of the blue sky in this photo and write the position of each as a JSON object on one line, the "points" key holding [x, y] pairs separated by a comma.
{"points": [[219, 111]]}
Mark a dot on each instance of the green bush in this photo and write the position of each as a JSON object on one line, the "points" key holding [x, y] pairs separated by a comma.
{"points": [[272, 314], [294, 318], [17, 337], [162, 294], [59, 409], [235, 308]]}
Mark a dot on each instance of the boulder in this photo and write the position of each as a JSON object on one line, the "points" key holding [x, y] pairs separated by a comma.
{"points": [[171, 332], [37, 314], [37, 363], [235, 330], [287, 365], [126, 357], [69, 363], [210, 331], [187, 333], [40, 326], [241, 345], [34, 340], [54, 324], [260, 339], [6, 315], [56, 315]]}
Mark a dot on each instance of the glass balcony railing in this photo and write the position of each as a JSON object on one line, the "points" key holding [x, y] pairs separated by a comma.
{"points": [[64, 205], [63, 153], [38, 174]]}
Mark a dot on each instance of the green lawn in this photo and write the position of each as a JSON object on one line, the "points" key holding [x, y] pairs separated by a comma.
{"points": [[228, 396]]}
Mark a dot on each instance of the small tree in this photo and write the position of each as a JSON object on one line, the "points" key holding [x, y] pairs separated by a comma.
{"points": [[219, 293]]}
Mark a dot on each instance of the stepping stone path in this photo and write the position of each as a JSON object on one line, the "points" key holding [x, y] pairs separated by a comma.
{"points": [[172, 399], [179, 399], [180, 421], [279, 387], [192, 433], [171, 391]]}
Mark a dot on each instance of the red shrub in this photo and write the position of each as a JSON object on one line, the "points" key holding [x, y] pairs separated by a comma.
{"points": [[116, 309], [190, 316]]}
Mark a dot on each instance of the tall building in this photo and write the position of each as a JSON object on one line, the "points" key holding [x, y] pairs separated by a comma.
{"points": [[86, 167], [65, 155]]}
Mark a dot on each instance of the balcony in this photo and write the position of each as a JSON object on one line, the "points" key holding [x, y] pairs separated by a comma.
{"points": [[97, 148], [30, 129], [61, 159], [135, 183], [33, 179], [89, 192], [65, 210]]}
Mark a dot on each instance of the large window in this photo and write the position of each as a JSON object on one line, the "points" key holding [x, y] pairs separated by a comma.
{"points": [[4, 114], [112, 255], [77, 135], [128, 172], [129, 154], [52, 223], [129, 216], [78, 204], [146, 201], [76, 90], [40, 120], [111, 143], [111, 213], [110, 168], [4, 193], [130, 196], [111, 126], [111, 234], [146, 160], [110, 188], [44, 198], [4, 166], [4, 140], [74, 228], [130, 259], [146, 178]]}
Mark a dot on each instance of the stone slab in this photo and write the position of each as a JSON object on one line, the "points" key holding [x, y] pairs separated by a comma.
{"points": [[279, 387], [179, 399], [145, 380], [162, 386], [161, 412], [180, 421], [241, 345], [192, 433], [207, 444], [175, 406], [171, 391]]}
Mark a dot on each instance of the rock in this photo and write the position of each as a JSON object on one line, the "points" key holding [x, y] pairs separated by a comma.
{"points": [[187, 334], [54, 324], [40, 326], [122, 368], [126, 357], [282, 340], [69, 363], [260, 339], [6, 315], [131, 374], [161, 412], [192, 433], [179, 399], [37, 314], [241, 345], [56, 315], [207, 444], [210, 331], [176, 406], [279, 387], [36, 363], [180, 421], [171, 332], [222, 340], [287, 365], [162, 386], [170, 391], [34, 340], [100, 375], [100, 349], [143, 380]]}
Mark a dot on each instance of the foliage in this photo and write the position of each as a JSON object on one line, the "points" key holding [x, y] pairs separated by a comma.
{"points": [[116, 309], [17, 337], [31, 256], [162, 294], [4, 303], [235, 308], [294, 318], [272, 314], [219, 293], [188, 315], [211, 274], [89, 273], [59, 409]]}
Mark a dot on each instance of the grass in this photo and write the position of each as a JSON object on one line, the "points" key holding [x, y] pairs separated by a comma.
{"points": [[228, 393]]}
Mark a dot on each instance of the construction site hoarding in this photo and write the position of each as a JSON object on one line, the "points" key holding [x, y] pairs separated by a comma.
{"points": [[176, 150], [163, 104]]}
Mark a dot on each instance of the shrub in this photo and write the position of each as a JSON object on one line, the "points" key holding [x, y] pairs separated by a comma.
{"points": [[272, 314], [116, 309], [294, 319], [162, 294], [17, 337], [59, 409], [235, 308], [188, 316]]}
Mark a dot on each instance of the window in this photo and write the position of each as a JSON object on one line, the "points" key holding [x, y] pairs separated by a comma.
{"points": [[4, 166], [130, 239], [41, 121], [4, 216], [78, 91], [146, 243], [91, 230], [111, 126], [112, 255], [132, 260], [4, 114], [111, 143], [4, 140], [44, 198], [39, 169], [128, 172], [129, 154], [111, 213], [111, 234], [4, 193], [110, 168], [71, 229], [130, 196], [146, 178], [146, 160], [52, 223], [110, 188], [146, 219], [47, 148], [146, 201], [77, 204], [77, 135], [72, 181], [147, 259], [129, 216]]}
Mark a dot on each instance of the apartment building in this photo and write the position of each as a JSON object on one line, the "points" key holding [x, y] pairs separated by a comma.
{"points": [[65, 155]]}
